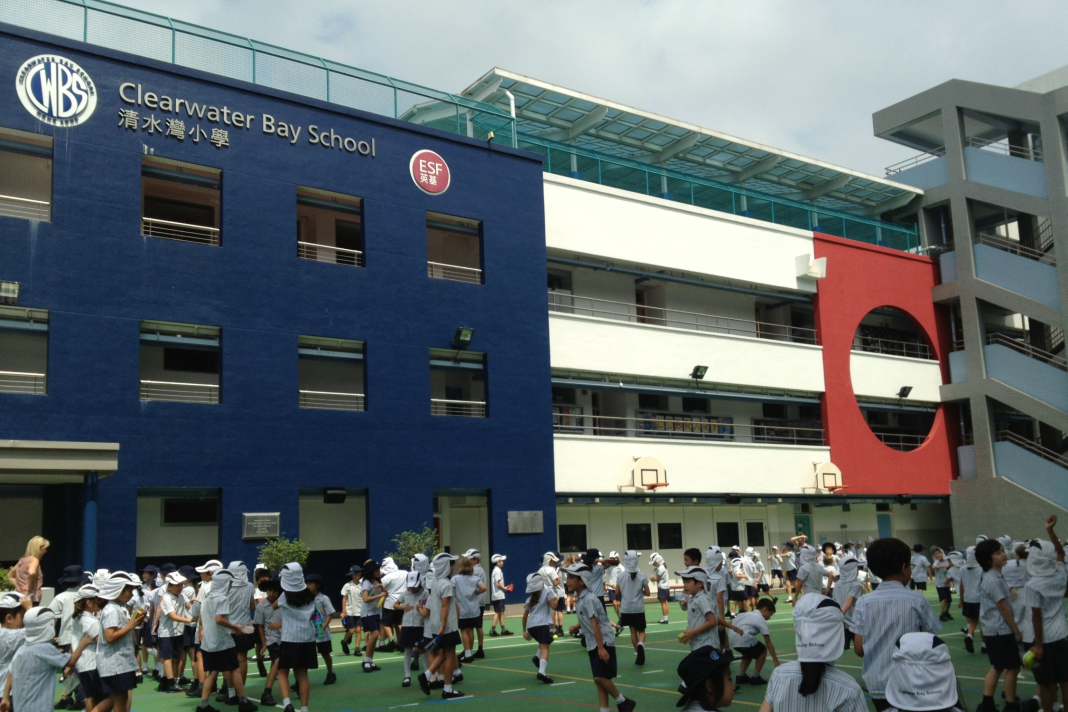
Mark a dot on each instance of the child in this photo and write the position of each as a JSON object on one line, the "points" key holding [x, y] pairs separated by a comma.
{"points": [[970, 576], [706, 680], [537, 622], [600, 641], [173, 618], [498, 591], [922, 676], [738, 582], [631, 588], [809, 571], [297, 649], [887, 613], [690, 557], [371, 592], [775, 561], [921, 569], [242, 603], [442, 621], [702, 615], [31, 684], [846, 594], [1001, 634], [1016, 576], [762, 580], [940, 568], [812, 684], [393, 583], [663, 585], [550, 570], [324, 613], [411, 635], [85, 631], [352, 603], [217, 643], [789, 567], [468, 587], [115, 660], [63, 606], [1045, 597], [483, 598], [611, 575], [956, 563], [743, 636], [717, 587], [268, 621], [189, 630], [752, 572], [13, 607]]}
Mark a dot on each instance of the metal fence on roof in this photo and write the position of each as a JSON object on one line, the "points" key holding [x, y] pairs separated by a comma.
{"points": [[167, 40]]}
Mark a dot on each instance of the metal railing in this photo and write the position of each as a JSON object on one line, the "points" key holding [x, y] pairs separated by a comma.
{"points": [[14, 207], [456, 273], [327, 400], [1055, 360], [900, 441], [340, 255], [637, 313], [908, 349], [1002, 146], [458, 408], [184, 232], [1044, 452], [915, 160], [1013, 246], [179, 392], [686, 427], [21, 382]]}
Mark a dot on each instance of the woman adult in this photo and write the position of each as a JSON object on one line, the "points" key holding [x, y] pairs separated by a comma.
{"points": [[26, 576]]}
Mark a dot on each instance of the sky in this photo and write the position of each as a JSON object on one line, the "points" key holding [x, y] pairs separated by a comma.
{"points": [[800, 76]]}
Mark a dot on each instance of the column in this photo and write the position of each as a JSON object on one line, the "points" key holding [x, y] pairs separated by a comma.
{"points": [[89, 494]]}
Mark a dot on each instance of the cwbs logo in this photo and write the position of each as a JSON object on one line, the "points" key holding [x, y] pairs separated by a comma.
{"points": [[56, 90]]}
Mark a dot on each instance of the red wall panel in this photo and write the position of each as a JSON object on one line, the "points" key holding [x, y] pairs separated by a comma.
{"points": [[862, 277]]}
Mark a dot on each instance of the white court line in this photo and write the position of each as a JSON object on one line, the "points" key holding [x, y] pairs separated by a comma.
{"points": [[414, 704], [650, 672], [518, 689], [557, 684]]}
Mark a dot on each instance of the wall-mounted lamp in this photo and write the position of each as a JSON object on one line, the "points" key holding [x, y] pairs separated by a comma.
{"points": [[9, 293], [462, 338], [698, 372], [904, 392]]}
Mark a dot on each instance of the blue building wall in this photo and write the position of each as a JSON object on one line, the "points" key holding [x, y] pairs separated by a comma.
{"points": [[98, 277]]}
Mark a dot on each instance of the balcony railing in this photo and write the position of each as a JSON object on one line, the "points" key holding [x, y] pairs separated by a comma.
{"points": [[891, 347], [337, 255], [1055, 360], [915, 160], [179, 392], [25, 208], [1033, 447], [1013, 246], [458, 408], [20, 382], [686, 428], [1003, 147], [900, 441], [637, 313], [326, 400], [438, 270], [184, 232]]}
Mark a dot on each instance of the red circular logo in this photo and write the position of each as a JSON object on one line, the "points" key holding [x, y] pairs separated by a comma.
{"points": [[430, 172]]}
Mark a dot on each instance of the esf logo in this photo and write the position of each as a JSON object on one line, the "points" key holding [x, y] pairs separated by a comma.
{"points": [[56, 90]]}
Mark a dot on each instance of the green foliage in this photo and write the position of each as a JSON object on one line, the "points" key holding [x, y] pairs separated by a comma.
{"points": [[276, 553], [410, 543], [5, 585]]}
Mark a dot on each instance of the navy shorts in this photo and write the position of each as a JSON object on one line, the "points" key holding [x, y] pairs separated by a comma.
{"points": [[1003, 651], [350, 622], [370, 624], [601, 668], [776, 572], [750, 592], [470, 623], [273, 651], [411, 637], [970, 610], [91, 685], [189, 637], [220, 660], [764, 588], [612, 595], [114, 684], [791, 575], [389, 617], [542, 634], [498, 605], [147, 639], [451, 640], [1054, 668], [561, 603], [244, 642], [170, 648], [324, 647], [662, 594], [918, 585], [752, 652], [635, 621], [944, 594], [297, 656], [738, 596]]}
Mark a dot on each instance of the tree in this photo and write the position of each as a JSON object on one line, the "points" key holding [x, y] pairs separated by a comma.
{"points": [[276, 553], [410, 543]]}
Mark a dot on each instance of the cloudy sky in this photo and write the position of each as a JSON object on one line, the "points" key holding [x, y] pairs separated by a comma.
{"points": [[802, 76]]}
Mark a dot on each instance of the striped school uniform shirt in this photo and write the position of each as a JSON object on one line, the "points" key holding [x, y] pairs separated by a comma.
{"points": [[838, 691]]}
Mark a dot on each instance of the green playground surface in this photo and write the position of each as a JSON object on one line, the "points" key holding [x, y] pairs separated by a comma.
{"points": [[506, 675]]}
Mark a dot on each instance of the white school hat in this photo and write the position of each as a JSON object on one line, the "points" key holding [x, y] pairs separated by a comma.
{"points": [[613, 555], [921, 674], [549, 556], [1006, 541], [630, 560], [39, 624], [473, 554], [88, 591], [11, 600], [535, 583], [819, 630], [693, 572], [175, 577], [497, 557], [582, 571], [292, 577], [210, 567], [413, 579]]}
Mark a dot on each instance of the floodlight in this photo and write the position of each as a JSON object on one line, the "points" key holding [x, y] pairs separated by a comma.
{"points": [[904, 392], [698, 372], [462, 338], [9, 292]]}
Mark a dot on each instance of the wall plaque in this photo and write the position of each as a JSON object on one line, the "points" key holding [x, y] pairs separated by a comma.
{"points": [[525, 523], [260, 525]]}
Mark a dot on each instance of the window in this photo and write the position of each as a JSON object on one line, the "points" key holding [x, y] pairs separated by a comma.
{"points": [[882, 507], [559, 281], [652, 401], [694, 405], [572, 537], [25, 175], [776, 411], [190, 510], [669, 536], [331, 373], [458, 383], [180, 362], [23, 350], [454, 248], [180, 201], [564, 396], [329, 227], [640, 537], [754, 534], [727, 535]]}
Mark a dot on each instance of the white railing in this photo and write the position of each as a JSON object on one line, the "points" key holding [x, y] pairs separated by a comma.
{"points": [[1055, 360], [685, 427], [326, 400], [337, 255], [458, 408], [908, 349], [624, 311], [1006, 244], [185, 232], [25, 208], [20, 382], [179, 392], [901, 441], [1002, 146], [438, 270], [915, 161]]}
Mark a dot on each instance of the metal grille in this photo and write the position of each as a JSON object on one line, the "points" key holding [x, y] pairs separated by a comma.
{"points": [[25, 208], [325, 400], [458, 408], [184, 232], [179, 392], [455, 273], [19, 382]]}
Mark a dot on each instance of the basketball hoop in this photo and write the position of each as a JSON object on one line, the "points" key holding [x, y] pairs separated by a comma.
{"points": [[654, 485], [834, 488]]}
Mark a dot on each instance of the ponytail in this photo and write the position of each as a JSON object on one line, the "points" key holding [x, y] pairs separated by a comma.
{"points": [[535, 598], [79, 608], [633, 575], [811, 676]]}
